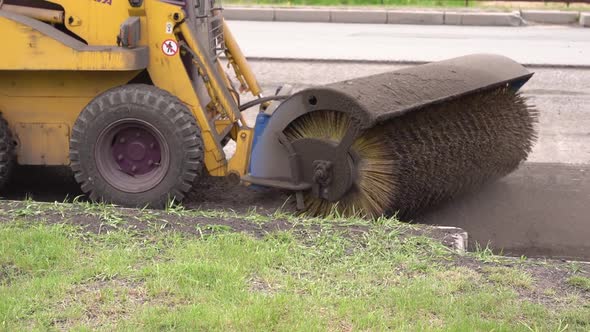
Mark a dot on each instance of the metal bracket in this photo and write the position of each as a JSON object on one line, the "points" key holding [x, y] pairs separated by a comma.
{"points": [[135, 3], [322, 177], [300, 201], [129, 33]]}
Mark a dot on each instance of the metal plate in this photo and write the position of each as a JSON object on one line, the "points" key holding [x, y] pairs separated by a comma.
{"points": [[42, 143]]}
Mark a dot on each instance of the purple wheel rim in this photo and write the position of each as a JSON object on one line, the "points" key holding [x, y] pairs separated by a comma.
{"points": [[132, 155]]}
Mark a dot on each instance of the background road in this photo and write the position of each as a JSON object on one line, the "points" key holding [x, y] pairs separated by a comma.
{"points": [[553, 45]]}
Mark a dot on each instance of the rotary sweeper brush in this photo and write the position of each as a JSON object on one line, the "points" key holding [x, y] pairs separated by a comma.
{"points": [[400, 141], [133, 96]]}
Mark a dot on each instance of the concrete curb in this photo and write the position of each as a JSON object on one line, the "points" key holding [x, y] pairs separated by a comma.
{"points": [[415, 17], [484, 19], [455, 238], [302, 15], [421, 17], [585, 19], [249, 14], [550, 16], [359, 16]]}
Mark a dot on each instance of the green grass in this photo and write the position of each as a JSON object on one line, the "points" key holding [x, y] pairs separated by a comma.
{"points": [[580, 282], [60, 277], [511, 277]]}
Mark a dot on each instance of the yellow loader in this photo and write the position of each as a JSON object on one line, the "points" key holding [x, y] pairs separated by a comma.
{"points": [[133, 96]]}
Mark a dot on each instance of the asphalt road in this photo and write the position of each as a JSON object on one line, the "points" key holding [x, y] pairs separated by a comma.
{"points": [[553, 45], [542, 209]]}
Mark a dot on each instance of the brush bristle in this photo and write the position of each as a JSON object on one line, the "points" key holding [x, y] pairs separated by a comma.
{"points": [[426, 156]]}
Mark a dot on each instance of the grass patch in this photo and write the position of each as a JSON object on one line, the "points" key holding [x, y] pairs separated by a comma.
{"points": [[581, 282], [512, 277], [317, 275]]}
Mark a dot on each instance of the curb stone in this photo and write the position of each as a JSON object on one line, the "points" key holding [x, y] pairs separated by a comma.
{"points": [[482, 18], [302, 15], [359, 16], [415, 17], [550, 16], [585, 19], [420, 17], [456, 238], [249, 14]]}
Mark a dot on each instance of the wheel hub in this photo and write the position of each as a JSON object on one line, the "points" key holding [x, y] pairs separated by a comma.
{"points": [[328, 168], [136, 150], [132, 155]]}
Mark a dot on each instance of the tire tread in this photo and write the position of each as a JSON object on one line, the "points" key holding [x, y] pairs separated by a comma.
{"points": [[155, 100], [7, 152]]}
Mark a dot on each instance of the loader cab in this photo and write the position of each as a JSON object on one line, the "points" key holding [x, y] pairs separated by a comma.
{"points": [[206, 20]]}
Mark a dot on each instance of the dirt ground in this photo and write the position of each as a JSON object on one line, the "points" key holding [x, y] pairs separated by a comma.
{"points": [[218, 193], [50, 184]]}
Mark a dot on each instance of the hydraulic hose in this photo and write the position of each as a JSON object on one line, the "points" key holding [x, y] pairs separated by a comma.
{"points": [[260, 101]]}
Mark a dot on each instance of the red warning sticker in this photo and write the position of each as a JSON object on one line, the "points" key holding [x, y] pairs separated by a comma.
{"points": [[170, 47]]}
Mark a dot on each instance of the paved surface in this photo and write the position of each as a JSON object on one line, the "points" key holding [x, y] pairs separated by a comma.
{"points": [[542, 209], [539, 210], [554, 45]]}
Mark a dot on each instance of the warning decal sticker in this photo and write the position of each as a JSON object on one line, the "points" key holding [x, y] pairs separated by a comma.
{"points": [[170, 47]]}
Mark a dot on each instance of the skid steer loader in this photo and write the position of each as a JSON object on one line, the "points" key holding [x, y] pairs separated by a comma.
{"points": [[133, 96]]}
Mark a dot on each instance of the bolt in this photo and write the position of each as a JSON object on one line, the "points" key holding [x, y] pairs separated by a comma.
{"points": [[120, 157], [137, 134], [133, 168], [312, 100], [122, 140], [152, 145], [150, 162], [243, 135]]}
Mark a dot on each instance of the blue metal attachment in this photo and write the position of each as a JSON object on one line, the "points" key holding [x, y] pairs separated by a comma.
{"points": [[262, 120]]}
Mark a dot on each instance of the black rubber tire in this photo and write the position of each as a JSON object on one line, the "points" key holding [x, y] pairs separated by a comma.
{"points": [[7, 153], [159, 109]]}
